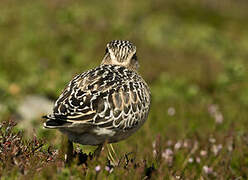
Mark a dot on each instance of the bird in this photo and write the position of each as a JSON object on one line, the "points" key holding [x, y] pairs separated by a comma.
{"points": [[105, 104]]}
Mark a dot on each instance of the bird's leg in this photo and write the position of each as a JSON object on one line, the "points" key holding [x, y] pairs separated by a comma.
{"points": [[69, 152], [113, 150], [98, 151], [113, 159]]}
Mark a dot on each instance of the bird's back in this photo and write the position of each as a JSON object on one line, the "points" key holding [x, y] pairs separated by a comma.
{"points": [[108, 101]]}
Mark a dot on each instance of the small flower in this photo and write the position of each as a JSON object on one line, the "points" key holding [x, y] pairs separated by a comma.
{"points": [[212, 140], [213, 109], [154, 152], [215, 113], [230, 148], [216, 149], [49, 158], [185, 144], [178, 145], [218, 118], [107, 168], [171, 111], [203, 152], [207, 170], [97, 168], [168, 156], [55, 152], [167, 152], [191, 160], [178, 177], [153, 144], [169, 143], [198, 159]]}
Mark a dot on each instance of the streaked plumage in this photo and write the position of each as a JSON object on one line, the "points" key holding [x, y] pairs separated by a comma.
{"points": [[107, 103]]}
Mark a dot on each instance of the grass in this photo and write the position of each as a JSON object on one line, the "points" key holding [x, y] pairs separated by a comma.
{"points": [[192, 54]]}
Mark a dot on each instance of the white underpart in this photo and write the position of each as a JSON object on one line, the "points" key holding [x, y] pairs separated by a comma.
{"points": [[104, 131]]}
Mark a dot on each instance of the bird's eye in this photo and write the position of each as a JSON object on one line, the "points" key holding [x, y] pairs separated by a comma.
{"points": [[134, 57], [106, 51]]}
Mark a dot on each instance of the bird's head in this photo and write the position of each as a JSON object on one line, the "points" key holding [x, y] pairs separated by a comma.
{"points": [[123, 53]]}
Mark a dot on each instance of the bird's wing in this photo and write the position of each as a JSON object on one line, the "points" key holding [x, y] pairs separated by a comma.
{"points": [[108, 96]]}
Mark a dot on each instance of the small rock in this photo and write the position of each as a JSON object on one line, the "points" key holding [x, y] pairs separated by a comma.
{"points": [[32, 108]]}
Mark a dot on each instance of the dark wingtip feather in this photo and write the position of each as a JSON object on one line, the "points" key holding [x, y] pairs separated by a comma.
{"points": [[45, 117], [55, 123]]}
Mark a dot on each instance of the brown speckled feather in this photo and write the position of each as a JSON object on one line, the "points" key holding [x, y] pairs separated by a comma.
{"points": [[107, 95]]}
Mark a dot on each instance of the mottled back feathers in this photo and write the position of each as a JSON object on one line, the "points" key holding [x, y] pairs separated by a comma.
{"points": [[108, 96]]}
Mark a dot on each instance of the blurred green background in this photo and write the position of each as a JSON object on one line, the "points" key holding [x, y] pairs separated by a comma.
{"points": [[192, 53]]}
